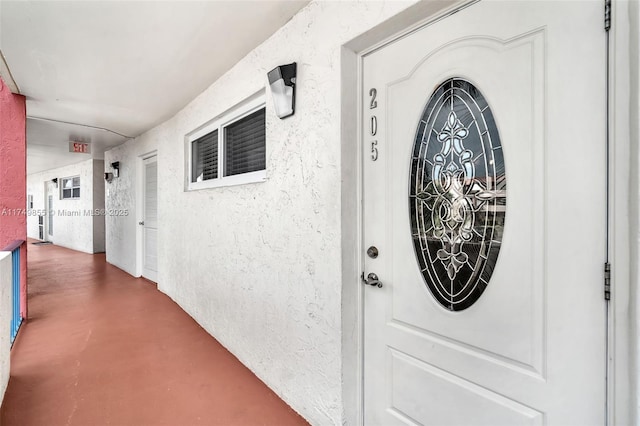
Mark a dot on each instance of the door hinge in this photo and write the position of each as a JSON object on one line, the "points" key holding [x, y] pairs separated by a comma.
{"points": [[607, 281], [607, 15]]}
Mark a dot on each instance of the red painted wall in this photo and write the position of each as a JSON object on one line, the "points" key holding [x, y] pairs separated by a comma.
{"points": [[13, 178]]}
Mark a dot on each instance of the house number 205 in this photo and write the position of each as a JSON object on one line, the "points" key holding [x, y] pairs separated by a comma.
{"points": [[373, 124]]}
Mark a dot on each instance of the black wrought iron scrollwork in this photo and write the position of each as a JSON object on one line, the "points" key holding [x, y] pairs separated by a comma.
{"points": [[457, 194]]}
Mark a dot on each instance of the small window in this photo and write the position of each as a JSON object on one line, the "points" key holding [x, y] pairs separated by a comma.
{"points": [[230, 150], [204, 157], [244, 145], [71, 187]]}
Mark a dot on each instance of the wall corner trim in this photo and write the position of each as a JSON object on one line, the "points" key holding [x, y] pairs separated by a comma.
{"points": [[7, 77]]}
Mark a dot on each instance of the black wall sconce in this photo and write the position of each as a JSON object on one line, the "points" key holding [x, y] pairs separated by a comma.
{"points": [[55, 181], [282, 80], [116, 168], [108, 177]]}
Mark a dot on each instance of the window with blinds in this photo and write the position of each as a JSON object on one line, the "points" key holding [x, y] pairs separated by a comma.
{"points": [[231, 149], [245, 145], [204, 157]]}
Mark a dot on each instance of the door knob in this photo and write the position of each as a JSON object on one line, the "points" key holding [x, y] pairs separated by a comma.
{"points": [[372, 279], [141, 222]]}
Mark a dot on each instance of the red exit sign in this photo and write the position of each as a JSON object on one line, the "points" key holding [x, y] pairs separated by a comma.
{"points": [[81, 147]]}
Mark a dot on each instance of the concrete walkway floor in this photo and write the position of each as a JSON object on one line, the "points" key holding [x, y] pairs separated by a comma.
{"points": [[104, 348]]}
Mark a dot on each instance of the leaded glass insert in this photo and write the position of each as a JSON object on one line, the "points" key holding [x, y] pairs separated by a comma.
{"points": [[457, 194]]}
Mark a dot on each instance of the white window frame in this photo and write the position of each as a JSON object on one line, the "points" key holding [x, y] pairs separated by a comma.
{"points": [[237, 113], [62, 188]]}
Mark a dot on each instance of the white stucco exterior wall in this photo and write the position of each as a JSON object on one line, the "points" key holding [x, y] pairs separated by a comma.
{"points": [[98, 195], [72, 227], [259, 265], [122, 195], [5, 320]]}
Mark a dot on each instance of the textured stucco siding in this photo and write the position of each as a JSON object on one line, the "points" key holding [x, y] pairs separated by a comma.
{"points": [[13, 166], [13, 170], [73, 227], [121, 195], [259, 265], [98, 205]]}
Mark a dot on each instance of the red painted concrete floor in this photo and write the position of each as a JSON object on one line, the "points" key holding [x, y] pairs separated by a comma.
{"points": [[104, 348]]}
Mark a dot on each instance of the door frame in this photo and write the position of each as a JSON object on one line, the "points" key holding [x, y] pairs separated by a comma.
{"points": [[624, 215], [140, 208], [623, 345], [48, 217]]}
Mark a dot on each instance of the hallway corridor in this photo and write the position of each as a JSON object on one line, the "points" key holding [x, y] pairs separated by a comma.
{"points": [[103, 348]]}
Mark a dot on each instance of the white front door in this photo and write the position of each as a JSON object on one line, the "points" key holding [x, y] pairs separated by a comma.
{"points": [[150, 218], [51, 193], [484, 197]]}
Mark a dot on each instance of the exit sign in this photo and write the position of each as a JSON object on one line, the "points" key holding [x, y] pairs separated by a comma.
{"points": [[81, 147]]}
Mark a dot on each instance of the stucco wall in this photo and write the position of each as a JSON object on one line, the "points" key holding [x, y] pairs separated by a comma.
{"points": [[13, 166], [98, 205], [5, 320], [73, 226], [259, 265], [13, 170], [121, 195]]}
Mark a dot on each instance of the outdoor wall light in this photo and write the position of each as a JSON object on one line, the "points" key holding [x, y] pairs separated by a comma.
{"points": [[116, 168], [55, 181], [108, 177], [282, 80]]}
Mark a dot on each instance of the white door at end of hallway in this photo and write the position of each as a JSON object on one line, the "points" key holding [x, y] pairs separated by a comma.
{"points": [[149, 220], [484, 219], [51, 191]]}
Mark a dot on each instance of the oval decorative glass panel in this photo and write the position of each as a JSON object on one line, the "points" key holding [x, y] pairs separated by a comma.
{"points": [[457, 194]]}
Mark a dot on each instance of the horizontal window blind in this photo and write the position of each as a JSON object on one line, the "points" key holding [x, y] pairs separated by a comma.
{"points": [[245, 145], [204, 152]]}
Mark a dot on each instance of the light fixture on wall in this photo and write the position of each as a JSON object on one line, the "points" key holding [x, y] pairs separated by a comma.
{"points": [[55, 181], [116, 168], [282, 80], [108, 177]]}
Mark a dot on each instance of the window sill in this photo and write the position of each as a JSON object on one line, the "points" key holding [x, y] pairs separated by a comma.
{"points": [[245, 178]]}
